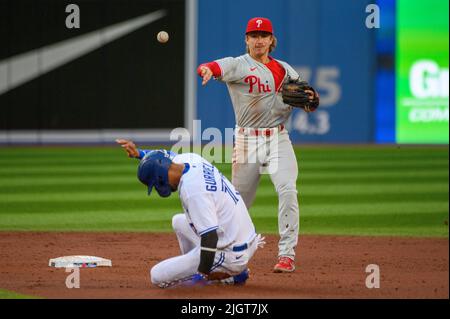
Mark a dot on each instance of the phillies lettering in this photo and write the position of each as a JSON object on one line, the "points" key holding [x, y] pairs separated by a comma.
{"points": [[254, 80]]}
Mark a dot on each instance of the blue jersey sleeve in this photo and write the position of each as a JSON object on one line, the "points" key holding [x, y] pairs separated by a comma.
{"points": [[142, 153]]}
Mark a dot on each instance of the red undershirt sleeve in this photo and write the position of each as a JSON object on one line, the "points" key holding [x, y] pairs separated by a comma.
{"points": [[214, 67]]}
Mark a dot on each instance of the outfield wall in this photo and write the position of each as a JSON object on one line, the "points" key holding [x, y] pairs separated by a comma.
{"points": [[92, 71], [109, 77]]}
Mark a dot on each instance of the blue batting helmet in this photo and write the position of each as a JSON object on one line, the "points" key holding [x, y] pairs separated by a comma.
{"points": [[153, 170]]}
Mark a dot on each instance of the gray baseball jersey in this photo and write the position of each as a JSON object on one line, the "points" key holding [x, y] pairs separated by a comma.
{"points": [[256, 101]]}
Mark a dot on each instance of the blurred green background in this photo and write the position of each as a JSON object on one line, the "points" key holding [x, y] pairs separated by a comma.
{"points": [[345, 190]]}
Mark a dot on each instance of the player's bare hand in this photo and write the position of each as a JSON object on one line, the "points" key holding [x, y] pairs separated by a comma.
{"points": [[206, 74], [129, 147]]}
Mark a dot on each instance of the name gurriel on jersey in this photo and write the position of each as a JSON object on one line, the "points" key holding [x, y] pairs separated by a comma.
{"points": [[208, 175]]}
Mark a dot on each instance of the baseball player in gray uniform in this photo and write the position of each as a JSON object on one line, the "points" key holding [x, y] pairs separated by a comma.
{"points": [[216, 235], [262, 143]]}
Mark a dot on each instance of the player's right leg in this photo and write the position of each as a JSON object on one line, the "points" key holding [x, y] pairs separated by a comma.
{"points": [[187, 238]]}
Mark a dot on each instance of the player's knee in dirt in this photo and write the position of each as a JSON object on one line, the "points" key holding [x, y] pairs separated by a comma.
{"points": [[178, 221], [155, 275]]}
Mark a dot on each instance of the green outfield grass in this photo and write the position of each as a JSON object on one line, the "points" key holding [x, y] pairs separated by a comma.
{"points": [[348, 190], [5, 294]]}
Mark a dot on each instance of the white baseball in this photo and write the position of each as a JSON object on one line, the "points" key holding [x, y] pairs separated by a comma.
{"points": [[162, 36]]}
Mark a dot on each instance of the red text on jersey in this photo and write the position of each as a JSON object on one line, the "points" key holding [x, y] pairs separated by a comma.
{"points": [[255, 81]]}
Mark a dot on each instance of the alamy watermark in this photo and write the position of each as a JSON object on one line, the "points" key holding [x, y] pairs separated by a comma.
{"points": [[73, 19], [373, 19], [249, 145], [73, 280], [373, 279]]}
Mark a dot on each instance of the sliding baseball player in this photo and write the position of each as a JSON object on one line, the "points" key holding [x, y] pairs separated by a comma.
{"points": [[216, 235]]}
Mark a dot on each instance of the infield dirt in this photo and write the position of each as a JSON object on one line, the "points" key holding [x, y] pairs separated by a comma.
{"points": [[327, 267]]}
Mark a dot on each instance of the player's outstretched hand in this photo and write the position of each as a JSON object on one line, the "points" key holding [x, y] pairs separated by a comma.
{"points": [[206, 74], [129, 147]]}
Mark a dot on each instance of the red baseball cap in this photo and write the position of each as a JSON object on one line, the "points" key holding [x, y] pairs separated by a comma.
{"points": [[259, 24]]}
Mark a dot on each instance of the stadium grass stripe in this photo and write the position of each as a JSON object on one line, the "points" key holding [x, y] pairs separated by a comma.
{"points": [[302, 173], [117, 185], [128, 186], [109, 179], [6, 294], [121, 226], [303, 176], [92, 217], [76, 204], [83, 196], [72, 170], [335, 158], [407, 224], [119, 157], [344, 153], [264, 189], [162, 206], [62, 165], [365, 198], [168, 209], [110, 221], [63, 162], [326, 209], [311, 162], [257, 210]]}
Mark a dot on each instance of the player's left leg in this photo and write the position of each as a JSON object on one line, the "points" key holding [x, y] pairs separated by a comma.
{"points": [[284, 176]]}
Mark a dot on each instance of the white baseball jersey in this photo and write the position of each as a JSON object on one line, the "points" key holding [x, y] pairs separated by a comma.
{"points": [[256, 101], [211, 202]]}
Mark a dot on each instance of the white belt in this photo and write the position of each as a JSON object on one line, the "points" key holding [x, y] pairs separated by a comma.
{"points": [[250, 131]]}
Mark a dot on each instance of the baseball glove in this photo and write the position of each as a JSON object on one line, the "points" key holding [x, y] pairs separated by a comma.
{"points": [[300, 94]]}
